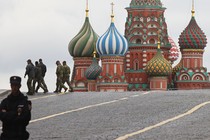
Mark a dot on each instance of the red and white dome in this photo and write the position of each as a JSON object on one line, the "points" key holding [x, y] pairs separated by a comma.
{"points": [[174, 51]]}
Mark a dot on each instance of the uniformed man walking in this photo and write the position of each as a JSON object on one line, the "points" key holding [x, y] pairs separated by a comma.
{"points": [[43, 72], [38, 78], [31, 75], [66, 75], [59, 74], [15, 113]]}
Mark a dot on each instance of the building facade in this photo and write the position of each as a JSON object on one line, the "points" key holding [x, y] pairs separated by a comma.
{"points": [[141, 59]]}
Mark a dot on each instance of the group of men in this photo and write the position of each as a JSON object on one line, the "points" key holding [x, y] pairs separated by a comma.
{"points": [[63, 75], [36, 74]]}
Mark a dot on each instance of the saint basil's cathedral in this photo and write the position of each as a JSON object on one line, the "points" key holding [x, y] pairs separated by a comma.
{"points": [[142, 58]]}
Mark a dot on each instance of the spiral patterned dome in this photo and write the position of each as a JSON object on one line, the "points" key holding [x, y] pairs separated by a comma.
{"points": [[146, 3], [192, 37], [158, 66], [112, 43], [93, 71], [82, 45], [174, 51]]}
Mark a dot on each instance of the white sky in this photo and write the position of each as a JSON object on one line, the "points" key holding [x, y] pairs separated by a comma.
{"points": [[43, 28]]}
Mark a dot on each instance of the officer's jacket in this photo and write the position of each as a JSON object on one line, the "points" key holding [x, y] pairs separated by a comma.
{"points": [[15, 114]]}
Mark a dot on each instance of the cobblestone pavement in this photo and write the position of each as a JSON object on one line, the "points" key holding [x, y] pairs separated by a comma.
{"points": [[152, 115]]}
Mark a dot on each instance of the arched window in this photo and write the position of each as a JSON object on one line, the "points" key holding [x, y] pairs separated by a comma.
{"points": [[136, 64], [152, 41], [138, 41], [106, 80]]}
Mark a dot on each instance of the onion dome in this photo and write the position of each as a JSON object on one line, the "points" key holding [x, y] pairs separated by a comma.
{"points": [[158, 65], [112, 42], [146, 3], [192, 37], [82, 45], [174, 51], [94, 70], [177, 67]]}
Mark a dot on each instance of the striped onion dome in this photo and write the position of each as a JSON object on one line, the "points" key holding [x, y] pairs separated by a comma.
{"points": [[174, 51], [192, 37], [158, 65], [93, 71], [112, 43], [146, 3], [82, 45]]}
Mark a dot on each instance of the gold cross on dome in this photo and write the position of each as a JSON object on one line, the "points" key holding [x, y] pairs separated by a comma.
{"points": [[112, 4]]}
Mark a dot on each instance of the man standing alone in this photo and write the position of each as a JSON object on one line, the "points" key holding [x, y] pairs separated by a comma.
{"points": [[15, 113]]}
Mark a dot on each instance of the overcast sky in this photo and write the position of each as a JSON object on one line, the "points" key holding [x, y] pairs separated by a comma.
{"points": [[43, 28]]}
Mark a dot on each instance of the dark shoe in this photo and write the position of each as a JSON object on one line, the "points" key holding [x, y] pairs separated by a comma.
{"points": [[71, 91], [29, 93], [65, 89], [55, 91], [45, 91]]}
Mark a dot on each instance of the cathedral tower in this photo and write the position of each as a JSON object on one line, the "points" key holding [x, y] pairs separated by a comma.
{"points": [[81, 48], [112, 47], [145, 19], [190, 73]]}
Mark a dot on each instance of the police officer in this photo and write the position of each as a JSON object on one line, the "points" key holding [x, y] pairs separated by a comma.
{"points": [[59, 80], [15, 113]]}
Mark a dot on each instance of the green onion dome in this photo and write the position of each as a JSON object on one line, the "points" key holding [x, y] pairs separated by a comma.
{"points": [[83, 44], [93, 71], [158, 65], [177, 67], [192, 37], [146, 3]]}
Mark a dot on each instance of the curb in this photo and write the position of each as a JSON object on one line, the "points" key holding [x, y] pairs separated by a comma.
{"points": [[5, 92]]}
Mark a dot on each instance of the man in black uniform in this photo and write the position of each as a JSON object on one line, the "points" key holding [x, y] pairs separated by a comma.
{"points": [[15, 113]]}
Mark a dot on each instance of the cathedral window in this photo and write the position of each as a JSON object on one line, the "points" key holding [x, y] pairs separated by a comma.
{"points": [[138, 41], [152, 41], [136, 64], [106, 80]]}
